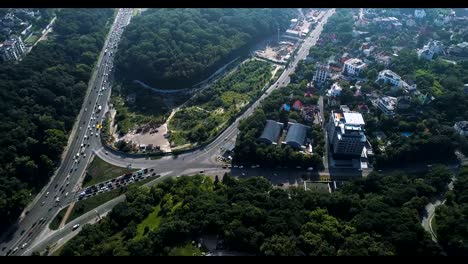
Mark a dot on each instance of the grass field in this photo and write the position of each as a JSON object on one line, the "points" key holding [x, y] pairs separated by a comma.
{"points": [[31, 40], [54, 225], [99, 171], [152, 222], [187, 250]]}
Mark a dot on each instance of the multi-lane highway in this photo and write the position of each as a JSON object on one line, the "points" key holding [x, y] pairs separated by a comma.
{"points": [[83, 138], [84, 141]]}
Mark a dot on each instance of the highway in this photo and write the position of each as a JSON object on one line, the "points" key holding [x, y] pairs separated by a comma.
{"points": [[83, 138], [70, 173]]}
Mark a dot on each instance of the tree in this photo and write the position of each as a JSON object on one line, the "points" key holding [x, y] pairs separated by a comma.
{"points": [[279, 245]]}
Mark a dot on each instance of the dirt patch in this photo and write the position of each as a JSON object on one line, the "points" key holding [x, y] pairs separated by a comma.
{"points": [[154, 138]]}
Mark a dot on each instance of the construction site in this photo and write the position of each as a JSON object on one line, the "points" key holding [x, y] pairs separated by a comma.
{"points": [[280, 50]]}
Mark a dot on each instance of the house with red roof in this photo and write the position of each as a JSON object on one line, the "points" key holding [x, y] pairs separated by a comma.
{"points": [[297, 105]]}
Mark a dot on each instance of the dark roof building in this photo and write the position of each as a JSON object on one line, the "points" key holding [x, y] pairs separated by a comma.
{"points": [[271, 132], [296, 135]]}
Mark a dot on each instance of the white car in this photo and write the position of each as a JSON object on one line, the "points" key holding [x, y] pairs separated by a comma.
{"points": [[66, 194], [47, 194], [76, 227]]}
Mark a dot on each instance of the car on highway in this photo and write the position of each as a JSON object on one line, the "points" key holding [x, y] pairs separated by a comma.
{"points": [[66, 194], [47, 194], [42, 204], [75, 227], [15, 249]]}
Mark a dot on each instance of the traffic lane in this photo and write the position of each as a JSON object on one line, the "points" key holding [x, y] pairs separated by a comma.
{"points": [[32, 212]]}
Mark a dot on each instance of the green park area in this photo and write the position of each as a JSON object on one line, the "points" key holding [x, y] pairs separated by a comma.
{"points": [[214, 108]]}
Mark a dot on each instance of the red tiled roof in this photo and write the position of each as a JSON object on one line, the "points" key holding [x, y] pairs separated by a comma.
{"points": [[297, 104]]}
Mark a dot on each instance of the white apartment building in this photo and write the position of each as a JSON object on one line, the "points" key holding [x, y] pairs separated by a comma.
{"points": [[353, 66], [346, 133], [388, 76], [335, 90], [387, 104], [419, 13]]}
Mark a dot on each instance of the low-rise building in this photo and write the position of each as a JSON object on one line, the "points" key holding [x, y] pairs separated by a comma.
{"points": [[419, 13], [461, 128], [432, 48], [353, 67], [388, 76], [387, 104], [271, 132], [346, 134], [297, 105], [335, 90], [296, 135]]}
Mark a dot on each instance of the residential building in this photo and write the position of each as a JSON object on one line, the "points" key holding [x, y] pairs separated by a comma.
{"points": [[297, 105], [322, 73], [353, 66], [383, 59], [346, 134], [12, 49], [419, 13], [335, 90], [271, 132], [388, 76], [308, 113], [430, 49], [461, 128], [296, 136], [387, 104], [425, 54]]}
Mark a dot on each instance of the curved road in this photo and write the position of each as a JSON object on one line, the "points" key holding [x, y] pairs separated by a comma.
{"points": [[36, 233]]}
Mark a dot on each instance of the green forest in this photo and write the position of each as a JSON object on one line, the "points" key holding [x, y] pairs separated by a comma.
{"points": [[40, 98], [378, 215], [450, 222], [176, 48]]}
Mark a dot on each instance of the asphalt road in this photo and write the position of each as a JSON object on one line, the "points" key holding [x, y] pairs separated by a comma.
{"points": [[75, 159], [202, 160]]}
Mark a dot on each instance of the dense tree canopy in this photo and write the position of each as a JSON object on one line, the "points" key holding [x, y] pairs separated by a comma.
{"points": [[39, 100], [373, 216], [176, 48], [450, 220]]}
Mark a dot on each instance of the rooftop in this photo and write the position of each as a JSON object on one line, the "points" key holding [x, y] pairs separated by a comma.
{"points": [[355, 62], [353, 118]]}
